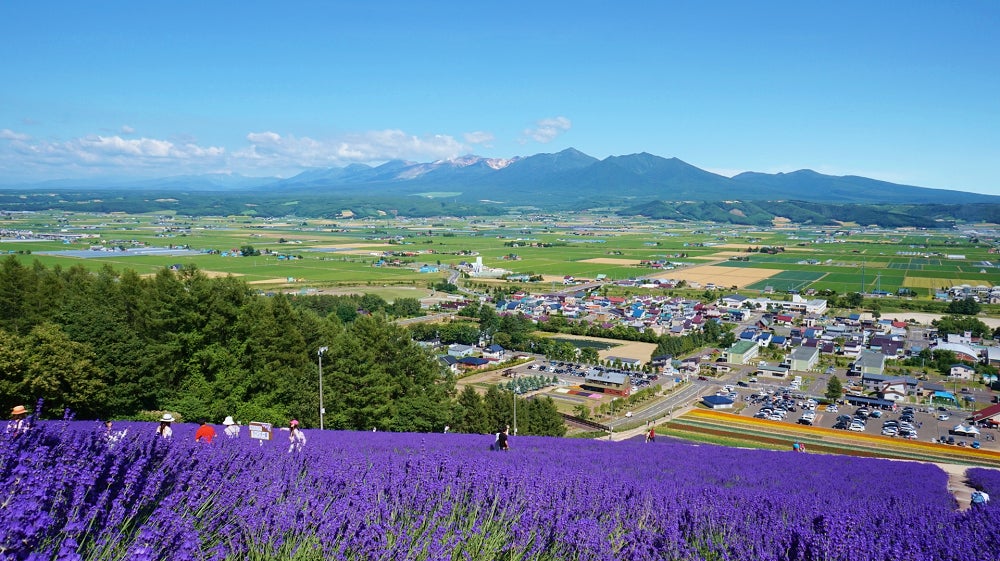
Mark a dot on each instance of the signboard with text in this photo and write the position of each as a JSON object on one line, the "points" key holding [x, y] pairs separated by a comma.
{"points": [[260, 431]]}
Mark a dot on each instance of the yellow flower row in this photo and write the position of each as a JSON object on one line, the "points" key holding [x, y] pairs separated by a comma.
{"points": [[879, 440]]}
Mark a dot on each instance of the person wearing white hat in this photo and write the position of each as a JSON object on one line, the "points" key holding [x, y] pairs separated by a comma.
{"points": [[232, 429], [18, 420], [164, 429]]}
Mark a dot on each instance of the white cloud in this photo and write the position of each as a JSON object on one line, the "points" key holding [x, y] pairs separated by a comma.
{"points": [[546, 130], [478, 137], [105, 155], [266, 153], [127, 130], [270, 149], [7, 134]]}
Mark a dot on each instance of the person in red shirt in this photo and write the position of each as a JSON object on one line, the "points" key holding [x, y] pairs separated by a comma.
{"points": [[205, 432]]}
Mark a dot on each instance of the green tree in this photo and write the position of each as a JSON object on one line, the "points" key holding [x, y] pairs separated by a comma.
{"points": [[961, 324], [63, 373], [589, 355], [380, 378], [853, 300], [405, 307], [498, 406], [834, 389], [489, 322], [470, 413], [967, 306]]}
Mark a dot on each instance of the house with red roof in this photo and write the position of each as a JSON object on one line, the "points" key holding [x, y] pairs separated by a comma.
{"points": [[989, 416]]}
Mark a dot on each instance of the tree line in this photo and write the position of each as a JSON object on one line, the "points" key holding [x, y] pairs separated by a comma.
{"points": [[120, 345]]}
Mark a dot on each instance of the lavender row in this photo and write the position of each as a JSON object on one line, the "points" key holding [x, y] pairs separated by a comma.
{"points": [[67, 492]]}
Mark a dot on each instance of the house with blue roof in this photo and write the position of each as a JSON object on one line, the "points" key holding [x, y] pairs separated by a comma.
{"points": [[494, 352]]}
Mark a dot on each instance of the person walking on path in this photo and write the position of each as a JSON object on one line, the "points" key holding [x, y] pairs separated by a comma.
{"points": [[205, 432], [651, 435], [296, 438], [232, 429], [164, 429], [18, 420]]}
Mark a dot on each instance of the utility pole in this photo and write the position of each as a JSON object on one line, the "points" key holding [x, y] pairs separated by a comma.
{"points": [[322, 410], [514, 391]]}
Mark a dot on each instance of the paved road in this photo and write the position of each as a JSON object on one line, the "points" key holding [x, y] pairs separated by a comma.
{"points": [[673, 402]]}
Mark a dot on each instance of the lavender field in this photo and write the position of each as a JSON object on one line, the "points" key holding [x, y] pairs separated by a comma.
{"points": [[67, 493]]}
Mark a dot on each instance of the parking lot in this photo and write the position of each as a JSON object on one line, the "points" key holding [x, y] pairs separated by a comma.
{"points": [[928, 424]]}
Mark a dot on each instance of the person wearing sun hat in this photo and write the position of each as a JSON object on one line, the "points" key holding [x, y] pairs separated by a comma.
{"points": [[296, 437], [232, 429], [18, 420], [164, 429]]}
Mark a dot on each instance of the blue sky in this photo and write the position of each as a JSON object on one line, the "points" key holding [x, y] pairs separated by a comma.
{"points": [[903, 91]]}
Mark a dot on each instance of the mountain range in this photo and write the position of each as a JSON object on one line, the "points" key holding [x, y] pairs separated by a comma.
{"points": [[571, 174], [569, 177]]}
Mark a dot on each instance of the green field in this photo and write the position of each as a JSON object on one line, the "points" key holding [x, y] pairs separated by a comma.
{"points": [[787, 281], [339, 252]]}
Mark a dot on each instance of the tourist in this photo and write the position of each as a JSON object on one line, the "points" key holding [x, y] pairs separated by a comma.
{"points": [[502, 439], [18, 420], [205, 432], [296, 438], [111, 437], [651, 435], [232, 429], [164, 429]]}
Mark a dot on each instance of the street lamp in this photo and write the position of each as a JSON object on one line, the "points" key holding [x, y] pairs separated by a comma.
{"points": [[514, 391], [322, 411]]}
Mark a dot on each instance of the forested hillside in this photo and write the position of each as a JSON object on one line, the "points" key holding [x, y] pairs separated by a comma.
{"points": [[124, 346]]}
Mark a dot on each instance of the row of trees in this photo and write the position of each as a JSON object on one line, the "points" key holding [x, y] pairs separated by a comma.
{"points": [[117, 345], [496, 409]]}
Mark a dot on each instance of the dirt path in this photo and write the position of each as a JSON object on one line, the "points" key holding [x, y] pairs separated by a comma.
{"points": [[957, 484]]}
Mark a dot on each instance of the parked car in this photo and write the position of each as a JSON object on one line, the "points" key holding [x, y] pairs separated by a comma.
{"points": [[944, 417]]}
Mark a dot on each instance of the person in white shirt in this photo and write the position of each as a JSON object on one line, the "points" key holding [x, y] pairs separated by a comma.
{"points": [[232, 429], [164, 429], [296, 438]]}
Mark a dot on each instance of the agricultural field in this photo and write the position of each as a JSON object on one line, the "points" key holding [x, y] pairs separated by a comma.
{"points": [[304, 253]]}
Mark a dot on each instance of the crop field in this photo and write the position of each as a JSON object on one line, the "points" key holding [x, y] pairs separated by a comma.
{"points": [[73, 493], [788, 280], [303, 252]]}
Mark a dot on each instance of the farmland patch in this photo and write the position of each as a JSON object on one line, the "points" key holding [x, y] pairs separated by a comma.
{"points": [[788, 280], [719, 275], [611, 261]]}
